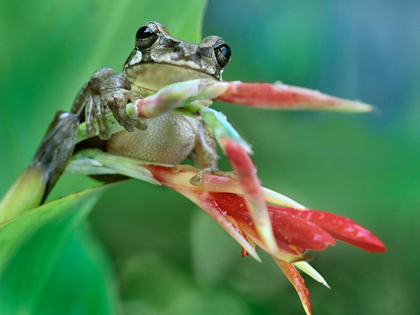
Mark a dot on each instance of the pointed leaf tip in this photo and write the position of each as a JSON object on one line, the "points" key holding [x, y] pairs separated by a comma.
{"points": [[310, 271]]}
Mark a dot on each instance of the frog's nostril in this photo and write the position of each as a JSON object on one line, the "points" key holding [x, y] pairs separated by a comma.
{"points": [[178, 47]]}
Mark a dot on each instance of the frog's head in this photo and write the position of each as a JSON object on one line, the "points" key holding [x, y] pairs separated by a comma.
{"points": [[158, 59]]}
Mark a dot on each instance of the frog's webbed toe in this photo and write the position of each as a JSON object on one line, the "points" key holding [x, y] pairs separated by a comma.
{"points": [[95, 111], [104, 132], [197, 179]]}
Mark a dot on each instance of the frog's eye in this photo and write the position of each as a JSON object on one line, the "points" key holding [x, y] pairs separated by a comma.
{"points": [[146, 37], [222, 52]]}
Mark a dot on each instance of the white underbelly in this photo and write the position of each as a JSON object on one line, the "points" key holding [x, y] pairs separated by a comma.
{"points": [[169, 139]]}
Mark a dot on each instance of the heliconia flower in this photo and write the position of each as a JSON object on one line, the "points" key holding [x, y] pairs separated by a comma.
{"points": [[295, 229], [251, 214], [285, 230]]}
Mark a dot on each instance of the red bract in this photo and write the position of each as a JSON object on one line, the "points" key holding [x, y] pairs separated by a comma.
{"points": [[250, 186], [261, 95], [294, 230], [299, 229], [281, 96], [341, 228], [292, 233]]}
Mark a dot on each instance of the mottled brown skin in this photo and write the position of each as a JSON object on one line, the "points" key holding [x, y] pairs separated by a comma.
{"points": [[170, 138]]}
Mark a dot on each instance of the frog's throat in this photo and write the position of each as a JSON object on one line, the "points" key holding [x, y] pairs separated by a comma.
{"points": [[154, 76]]}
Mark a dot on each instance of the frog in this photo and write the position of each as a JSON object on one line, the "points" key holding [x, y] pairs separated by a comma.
{"points": [[157, 60]]}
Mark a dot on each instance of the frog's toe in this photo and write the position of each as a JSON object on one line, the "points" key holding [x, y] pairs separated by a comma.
{"points": [[104, 131], [95, 114], [117, 102], [130, 123], [90, 130], [138, 123], [197, 179], [224, 174]]}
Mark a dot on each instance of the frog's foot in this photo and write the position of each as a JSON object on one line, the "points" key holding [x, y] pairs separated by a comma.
{"points": [[197, 179], [91, 87], [95, 111], [117, 102]]}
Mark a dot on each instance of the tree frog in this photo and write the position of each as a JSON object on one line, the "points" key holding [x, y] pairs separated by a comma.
{"points": [[157, 60]]}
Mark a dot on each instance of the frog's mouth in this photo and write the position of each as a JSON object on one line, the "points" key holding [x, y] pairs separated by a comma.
{"points": [[154, 76]]}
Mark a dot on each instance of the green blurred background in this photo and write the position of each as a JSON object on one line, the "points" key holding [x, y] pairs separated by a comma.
{"points": [[168, 256]]}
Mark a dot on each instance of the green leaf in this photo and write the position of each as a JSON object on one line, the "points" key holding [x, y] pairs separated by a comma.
{"points": [[153, 285], [30, 244], [82, 274]]}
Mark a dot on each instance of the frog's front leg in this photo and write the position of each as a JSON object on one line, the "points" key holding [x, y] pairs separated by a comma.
{"points": [[116, 91], [104, 89], [88, 104]]}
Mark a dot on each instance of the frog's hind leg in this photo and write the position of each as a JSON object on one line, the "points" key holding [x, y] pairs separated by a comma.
{"points": [[205, 148], [58, 144], [205, 156], [56, 148], [32, 187]]}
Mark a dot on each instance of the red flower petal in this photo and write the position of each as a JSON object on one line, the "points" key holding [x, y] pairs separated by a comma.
{"points": [[295, 232], [341, 228]]}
